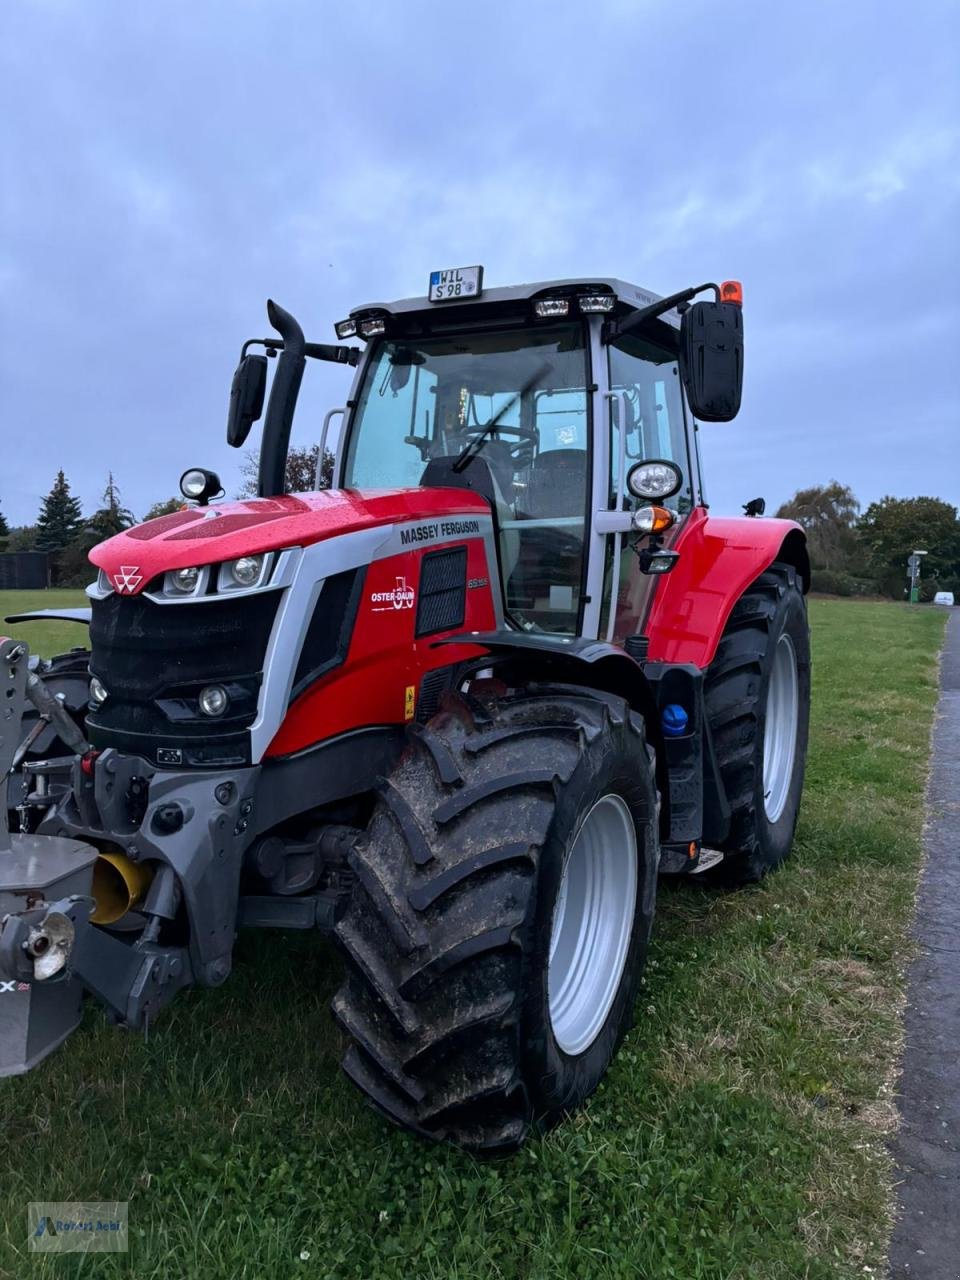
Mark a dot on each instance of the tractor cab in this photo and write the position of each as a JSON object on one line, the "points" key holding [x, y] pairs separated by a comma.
{"points": [[569, 406], [562, 404]]}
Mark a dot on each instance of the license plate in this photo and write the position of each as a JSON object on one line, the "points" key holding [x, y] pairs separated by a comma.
{"points": [[455, 283]]}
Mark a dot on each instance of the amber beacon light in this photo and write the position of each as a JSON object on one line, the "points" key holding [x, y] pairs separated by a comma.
{"points": [[732, 291]]}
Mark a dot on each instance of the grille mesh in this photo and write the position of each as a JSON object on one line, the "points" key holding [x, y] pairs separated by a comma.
{"points": [[443, 591]]}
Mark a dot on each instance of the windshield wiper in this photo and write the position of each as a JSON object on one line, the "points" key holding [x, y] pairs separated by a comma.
{"points": [[470, 451]]}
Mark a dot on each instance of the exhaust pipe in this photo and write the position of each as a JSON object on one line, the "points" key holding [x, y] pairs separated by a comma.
{"points": [[119, 886], [283, 401]]}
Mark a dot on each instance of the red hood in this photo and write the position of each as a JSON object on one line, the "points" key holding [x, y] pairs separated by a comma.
{"points": [[208, 535]]}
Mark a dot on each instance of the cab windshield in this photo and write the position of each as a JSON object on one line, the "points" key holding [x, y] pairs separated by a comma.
{"points": [[506, 413]]}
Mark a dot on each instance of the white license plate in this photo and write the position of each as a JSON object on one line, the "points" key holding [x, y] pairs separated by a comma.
{"points": [[455, 283]]}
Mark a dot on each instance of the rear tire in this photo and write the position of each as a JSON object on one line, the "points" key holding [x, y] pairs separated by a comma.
{"points": [[450, 995], [757, 697]]}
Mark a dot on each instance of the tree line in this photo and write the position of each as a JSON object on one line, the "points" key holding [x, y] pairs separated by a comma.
{"points": [[68, 536], [854, 552]]}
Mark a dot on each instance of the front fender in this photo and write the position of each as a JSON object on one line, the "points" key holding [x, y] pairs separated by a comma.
{"points": [[719, 557]]}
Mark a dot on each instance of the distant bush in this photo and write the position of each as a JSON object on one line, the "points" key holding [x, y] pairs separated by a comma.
{"points": [[831, 582], [834, 582]]}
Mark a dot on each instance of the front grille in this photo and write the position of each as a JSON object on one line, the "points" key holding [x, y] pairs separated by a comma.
{"points": [[154, 659]]}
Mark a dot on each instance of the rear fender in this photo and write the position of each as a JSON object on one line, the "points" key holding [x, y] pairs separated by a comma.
{"points": [[719, 557]]}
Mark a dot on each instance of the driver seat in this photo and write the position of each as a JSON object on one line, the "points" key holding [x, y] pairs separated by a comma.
{"points": [[557, 485], [479, 478]]}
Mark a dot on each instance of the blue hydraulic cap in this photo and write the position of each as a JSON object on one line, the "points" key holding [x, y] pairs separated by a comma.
{"points": [[674, 721]]}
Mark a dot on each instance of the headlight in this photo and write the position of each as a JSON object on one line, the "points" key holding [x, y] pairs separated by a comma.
{"points": [[213, 700], [654, 480], [184, 579], [98, 693], [246, 570], [241, 574]]}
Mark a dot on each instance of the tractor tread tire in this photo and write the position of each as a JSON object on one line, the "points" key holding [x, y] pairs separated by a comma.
{"points": [[438, 931], [734, 689]]}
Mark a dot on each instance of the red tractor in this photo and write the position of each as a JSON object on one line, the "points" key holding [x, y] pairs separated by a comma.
{"points": [[461, 709]]}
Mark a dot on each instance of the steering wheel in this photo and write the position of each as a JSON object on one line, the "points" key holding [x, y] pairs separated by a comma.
{"points": [[521, 449]]}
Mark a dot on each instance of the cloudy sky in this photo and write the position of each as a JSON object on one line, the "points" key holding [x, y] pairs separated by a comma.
{"points": [[166, 167]]}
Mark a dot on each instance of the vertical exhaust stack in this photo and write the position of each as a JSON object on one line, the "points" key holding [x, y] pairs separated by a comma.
{"points": [[283, 402]]}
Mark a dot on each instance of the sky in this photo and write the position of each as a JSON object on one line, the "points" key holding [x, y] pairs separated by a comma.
{"points": [[167, 167]]}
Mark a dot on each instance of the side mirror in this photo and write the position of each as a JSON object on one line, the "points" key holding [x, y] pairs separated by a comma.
{"points": [[246, 398], [711, 359]]}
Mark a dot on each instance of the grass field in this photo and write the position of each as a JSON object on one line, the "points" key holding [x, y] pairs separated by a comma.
{"points": [[741, 1132], [43, 637]]}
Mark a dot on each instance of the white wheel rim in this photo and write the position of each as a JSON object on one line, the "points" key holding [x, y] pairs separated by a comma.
{"points": [[780, 729], [592, 924]]}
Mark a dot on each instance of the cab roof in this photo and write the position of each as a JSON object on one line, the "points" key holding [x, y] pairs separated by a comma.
{"points": [[507, 297]]}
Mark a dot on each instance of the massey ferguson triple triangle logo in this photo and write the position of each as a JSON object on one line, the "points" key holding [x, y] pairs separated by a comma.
{"points": [[401, 597], [128, 579]]}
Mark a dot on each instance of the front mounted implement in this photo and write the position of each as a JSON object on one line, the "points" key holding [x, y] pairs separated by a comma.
{"points": [[50, 947]]}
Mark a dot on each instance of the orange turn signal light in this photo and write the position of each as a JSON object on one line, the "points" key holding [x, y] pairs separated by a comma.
{"points": [[662, 519], [732, 291], [652, 519]]}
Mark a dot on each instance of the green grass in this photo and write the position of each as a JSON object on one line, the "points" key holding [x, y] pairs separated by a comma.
{"points": [[45, 638], [741, 1132]]}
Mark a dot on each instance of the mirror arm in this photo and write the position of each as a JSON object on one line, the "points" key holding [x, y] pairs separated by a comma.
{"points": [[315, 350], [614, 329]]}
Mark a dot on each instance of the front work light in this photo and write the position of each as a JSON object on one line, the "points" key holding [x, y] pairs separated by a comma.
{"points": [[652, 520], [346, 329], [594, 302], [654, 480], [98, 693], [547, 307], [200, 485], [658, 561], [373, 328]]}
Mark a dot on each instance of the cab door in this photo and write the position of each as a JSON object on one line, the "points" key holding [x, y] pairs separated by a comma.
{"points": [[646, 418]]}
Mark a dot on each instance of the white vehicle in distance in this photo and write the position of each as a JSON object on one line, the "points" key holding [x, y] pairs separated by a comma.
{"points": [[944, 597]]}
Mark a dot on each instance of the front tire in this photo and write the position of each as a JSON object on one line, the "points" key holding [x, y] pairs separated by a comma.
{"points": [[498, 931], [757, 698]]}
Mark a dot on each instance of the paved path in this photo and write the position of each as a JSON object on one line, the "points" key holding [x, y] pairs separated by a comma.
{"points": [[926, 1240]]}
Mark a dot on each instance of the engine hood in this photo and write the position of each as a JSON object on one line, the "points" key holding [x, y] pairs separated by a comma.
{"points": [[209, 535]]}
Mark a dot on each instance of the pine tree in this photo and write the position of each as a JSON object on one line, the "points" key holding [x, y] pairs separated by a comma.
{"points": [[60, 519], [112, 517], [4, 527]]}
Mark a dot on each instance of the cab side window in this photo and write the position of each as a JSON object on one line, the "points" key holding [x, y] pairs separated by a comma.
{"points": [[648, 405]]}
